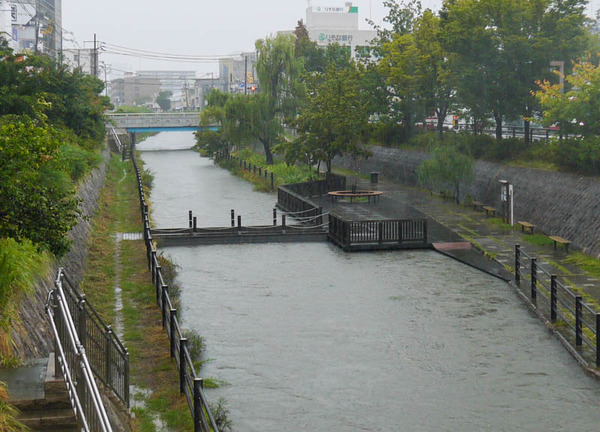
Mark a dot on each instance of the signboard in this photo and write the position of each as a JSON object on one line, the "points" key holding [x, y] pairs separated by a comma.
{"points": [[329, 9], [339, 38], [21, 13]]}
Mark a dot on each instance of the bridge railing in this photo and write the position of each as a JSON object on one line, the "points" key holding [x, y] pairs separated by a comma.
{"points": [[557, 303], [190, 384]]}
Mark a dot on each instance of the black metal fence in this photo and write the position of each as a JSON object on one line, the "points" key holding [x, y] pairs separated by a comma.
{"points": [[557, 303], [295, 200], [107, 355], [69, 320], [190, 384], [377, 234]]}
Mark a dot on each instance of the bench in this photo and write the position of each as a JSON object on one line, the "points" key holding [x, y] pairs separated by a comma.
{"points": [[489, 210], [526, 225], [560, 240], [477, 205], [355, 194]]}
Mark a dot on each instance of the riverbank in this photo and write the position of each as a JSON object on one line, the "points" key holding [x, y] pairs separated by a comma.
{"points": [[118, 283]]}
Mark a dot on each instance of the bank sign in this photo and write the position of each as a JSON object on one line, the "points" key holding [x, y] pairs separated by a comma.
{"points": [[327, 38], [347, 9]]}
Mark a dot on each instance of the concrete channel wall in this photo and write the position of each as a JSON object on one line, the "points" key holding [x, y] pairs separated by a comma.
{"points": [[561, 204]]}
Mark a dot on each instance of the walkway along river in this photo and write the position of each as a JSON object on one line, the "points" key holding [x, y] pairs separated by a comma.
{"points": [[311, 338]]}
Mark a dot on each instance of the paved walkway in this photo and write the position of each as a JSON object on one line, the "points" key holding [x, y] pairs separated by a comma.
{"points": [[453, 223]]}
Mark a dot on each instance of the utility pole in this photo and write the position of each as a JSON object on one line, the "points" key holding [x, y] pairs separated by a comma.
{"points": [[245, 74], [95, 58]]}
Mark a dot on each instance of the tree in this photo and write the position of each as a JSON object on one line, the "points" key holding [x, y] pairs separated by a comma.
{"points": [[261, 116], [447, 170], [578, 110], [163, 99], [36, 203], [334, 119]]}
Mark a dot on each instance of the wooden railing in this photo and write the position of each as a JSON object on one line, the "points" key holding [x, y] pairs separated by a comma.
{"points": [[190, 384], [377, 234]]}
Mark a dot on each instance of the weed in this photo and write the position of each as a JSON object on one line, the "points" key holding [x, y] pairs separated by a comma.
{"points": [[221, 415], [538, 240]]}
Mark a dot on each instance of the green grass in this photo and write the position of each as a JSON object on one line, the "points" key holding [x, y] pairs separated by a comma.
{"points": [[589, 264], [538, 240]]}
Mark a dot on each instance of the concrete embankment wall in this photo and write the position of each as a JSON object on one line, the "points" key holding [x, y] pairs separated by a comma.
{"points": [[561, 204], [32, 335]]}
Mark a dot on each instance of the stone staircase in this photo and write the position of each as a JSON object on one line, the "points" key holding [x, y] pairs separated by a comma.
{"points": [[50, 412]]}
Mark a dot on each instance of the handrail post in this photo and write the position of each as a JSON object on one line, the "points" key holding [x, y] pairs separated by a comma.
{"points": [[534, 280], [108, 363], [425, 231], [198, 384], [82, 321], [274, 217], [195, 224], [283, 223], [232, 218], [597, 339], [518, 264], [190, 218], [153, 259], [126, 378], [163, 308], [271, 180], [578, 321], [183, 344], [380, 231], [553, 298], [173, 338], [239, 224]]}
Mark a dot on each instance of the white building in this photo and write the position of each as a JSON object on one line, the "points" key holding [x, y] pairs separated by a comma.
{"points": [[29, 25], [238, 71], [327, 25]]}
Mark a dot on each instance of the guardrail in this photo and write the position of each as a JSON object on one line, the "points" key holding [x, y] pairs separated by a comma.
{"points": [[377, 234], [556, 302], [115, 137], [71, 356], [190, 384]]}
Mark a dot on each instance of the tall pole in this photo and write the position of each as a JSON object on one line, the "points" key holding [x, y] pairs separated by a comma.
{"points": [[245, 74], [95, 56]]}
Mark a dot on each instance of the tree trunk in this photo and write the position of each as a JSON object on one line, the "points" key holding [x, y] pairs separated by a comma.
{"points": [[526, 129], [268, 153], [440, 127], [498, 119], [329, 165]]}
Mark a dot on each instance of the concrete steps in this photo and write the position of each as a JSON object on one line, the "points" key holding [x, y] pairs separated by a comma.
{"points": [[53, 411]]}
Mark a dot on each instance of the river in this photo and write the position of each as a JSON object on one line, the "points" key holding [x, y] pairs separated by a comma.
{"points": [[308, 337]]}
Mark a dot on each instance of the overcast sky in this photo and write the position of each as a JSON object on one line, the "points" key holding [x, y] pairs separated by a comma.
{"points": [[195, 27], [191, 27]]}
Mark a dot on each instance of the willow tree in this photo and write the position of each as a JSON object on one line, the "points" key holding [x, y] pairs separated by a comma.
{"points": [[263, 115]]}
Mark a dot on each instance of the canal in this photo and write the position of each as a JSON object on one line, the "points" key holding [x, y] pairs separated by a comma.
{"points": [[308, 337]]}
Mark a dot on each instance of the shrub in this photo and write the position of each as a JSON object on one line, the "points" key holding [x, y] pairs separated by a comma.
{"points": [[578, 155]]}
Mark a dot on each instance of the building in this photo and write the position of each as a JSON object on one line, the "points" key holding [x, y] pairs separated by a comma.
{"points": [[133, 90], [33, 26], [81, 59], [202, 87], [238, 72], [327, 25]]}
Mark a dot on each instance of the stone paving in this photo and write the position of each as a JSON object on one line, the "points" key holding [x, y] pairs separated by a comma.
{"points": [[460, 222]]}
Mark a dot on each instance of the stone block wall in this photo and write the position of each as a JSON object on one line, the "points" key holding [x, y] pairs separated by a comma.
{"points": [[561, 204]]}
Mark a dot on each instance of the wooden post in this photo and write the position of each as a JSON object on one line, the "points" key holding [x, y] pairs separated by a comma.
{"points": [[195, 224], [190, 218], [239, 224], [198, 384], [232, 218], [274, 217]]}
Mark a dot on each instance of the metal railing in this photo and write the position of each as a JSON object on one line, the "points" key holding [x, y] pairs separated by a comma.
{"points": [[72, 360], [190, 384], [108, 356], [558, 303], [379, 233], [115, 137]]}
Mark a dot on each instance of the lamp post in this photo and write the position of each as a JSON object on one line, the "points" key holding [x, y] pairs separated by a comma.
{"points": [[506, 198]]}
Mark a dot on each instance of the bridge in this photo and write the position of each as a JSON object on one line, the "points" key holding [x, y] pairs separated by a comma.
{"points": [[156, 122]]}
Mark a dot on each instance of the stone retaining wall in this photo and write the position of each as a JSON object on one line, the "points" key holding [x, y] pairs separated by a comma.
{"points": [[32, 335], [561, 204]]}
